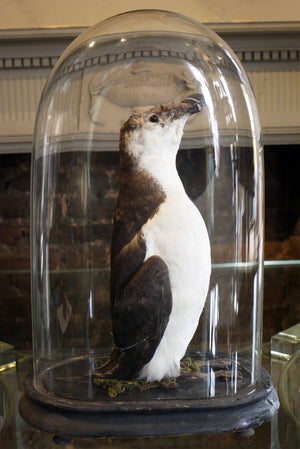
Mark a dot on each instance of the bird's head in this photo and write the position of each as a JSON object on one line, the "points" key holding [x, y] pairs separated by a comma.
{"points": [[157, 132]]}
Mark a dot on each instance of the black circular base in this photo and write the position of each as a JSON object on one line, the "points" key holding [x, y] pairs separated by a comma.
{"points": [[119, 418]]}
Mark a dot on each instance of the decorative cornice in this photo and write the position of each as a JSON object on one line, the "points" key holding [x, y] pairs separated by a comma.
{"points": [[266, 56], [270, 53], [27, 63], [253, 43], [255, 56]]}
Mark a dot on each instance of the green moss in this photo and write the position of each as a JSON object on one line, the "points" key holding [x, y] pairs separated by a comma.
{"points": [[189, 366], [115, 387]]}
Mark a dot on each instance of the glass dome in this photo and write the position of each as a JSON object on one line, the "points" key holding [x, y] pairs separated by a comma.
{"points": [[147, 64]]}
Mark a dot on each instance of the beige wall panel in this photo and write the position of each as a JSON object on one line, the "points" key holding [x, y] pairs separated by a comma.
{"points": [[57, 13]]}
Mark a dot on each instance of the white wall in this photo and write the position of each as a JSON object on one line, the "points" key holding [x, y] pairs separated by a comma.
{"points": [[23, 14]]}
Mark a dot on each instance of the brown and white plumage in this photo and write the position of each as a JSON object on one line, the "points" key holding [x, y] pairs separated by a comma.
{"points": [[160, 256]]}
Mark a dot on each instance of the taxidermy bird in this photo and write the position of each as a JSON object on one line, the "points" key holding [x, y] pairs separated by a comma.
{"points": [[160, 254]]}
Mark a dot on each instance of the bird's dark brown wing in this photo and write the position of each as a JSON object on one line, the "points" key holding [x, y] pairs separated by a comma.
{"points": [[139, 316], [140, 292]]}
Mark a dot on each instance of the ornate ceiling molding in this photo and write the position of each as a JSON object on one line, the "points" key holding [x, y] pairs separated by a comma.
{"points": [[246, 56], [270, 53], [27, 63]]}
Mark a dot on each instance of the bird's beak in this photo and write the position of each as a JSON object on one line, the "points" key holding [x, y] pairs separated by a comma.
{"points": [[195, 103]]}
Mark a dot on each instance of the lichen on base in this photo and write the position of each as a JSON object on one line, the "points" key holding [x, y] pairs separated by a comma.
{"points": [[115, 387]]}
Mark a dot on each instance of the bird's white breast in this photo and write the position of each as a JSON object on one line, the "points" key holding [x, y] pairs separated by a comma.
{"points": [[178, 235]]}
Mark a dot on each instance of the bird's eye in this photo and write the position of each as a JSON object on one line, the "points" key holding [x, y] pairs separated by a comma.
{"points": [[154, 118]]}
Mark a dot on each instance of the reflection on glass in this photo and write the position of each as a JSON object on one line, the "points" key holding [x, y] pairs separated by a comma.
{"points": [[120, 67]]}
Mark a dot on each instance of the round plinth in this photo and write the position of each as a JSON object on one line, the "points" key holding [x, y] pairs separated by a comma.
{"points": [[150, 413]]}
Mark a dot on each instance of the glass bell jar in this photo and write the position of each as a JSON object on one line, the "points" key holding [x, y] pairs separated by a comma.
{"points": [[147, 236]]}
